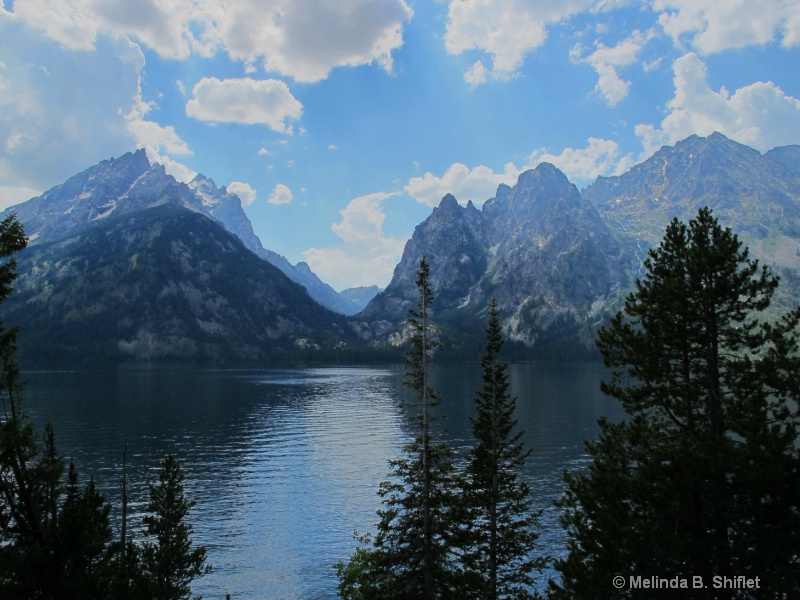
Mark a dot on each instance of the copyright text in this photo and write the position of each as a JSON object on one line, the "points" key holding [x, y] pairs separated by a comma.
{"points": [[719, 582]]}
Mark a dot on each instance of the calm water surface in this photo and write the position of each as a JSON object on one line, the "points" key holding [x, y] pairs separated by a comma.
{"points": [[284, 464]]}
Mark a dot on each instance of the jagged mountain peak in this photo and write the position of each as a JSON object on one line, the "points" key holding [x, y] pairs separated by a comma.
{"points": [[129, 184], [449, 202], [545, 174], [539, 249]]}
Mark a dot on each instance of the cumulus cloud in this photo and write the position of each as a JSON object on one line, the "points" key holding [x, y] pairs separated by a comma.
{"points": [[477, 184], [760, 115], [62, 111], [303, 40], [607, 60], [508, 30], [711, 26], [266, 102], [583, 165], [367, 255], [280, 194], [245, 192]]}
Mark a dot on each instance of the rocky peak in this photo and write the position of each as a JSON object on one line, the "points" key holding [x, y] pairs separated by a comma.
{"points": [[538, 248]]}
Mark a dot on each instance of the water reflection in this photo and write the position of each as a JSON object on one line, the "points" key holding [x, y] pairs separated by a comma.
{"points": [[285, 464]]}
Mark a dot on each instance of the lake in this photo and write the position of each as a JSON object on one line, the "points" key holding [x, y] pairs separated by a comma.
{"points": [[284, 464]]}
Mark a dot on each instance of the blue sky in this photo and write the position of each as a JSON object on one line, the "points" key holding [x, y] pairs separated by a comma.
{"points": [[341, 123]]}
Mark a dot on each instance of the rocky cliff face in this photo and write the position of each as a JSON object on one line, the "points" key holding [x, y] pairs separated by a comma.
{"points": [[538, 248]]}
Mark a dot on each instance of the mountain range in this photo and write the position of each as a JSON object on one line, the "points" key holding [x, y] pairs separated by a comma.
{"points": [[125, 263]]}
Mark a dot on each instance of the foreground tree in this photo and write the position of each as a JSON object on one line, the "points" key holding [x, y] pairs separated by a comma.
{"points": [[55, 537], [53, 534], [413, 554], [702, 478], [499, 539], [169, 562]]}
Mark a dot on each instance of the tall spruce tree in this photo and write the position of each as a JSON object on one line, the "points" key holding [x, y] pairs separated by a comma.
{"points": [[413, 554], [170, 563], [498, 543], [701, 480]]}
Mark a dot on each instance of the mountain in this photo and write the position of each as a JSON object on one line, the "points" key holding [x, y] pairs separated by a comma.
{"points": [[360, 296], [148, 274], [539, 248], [163, 283], [128, 184], [127, 264], [559, 262], [757, 195]]}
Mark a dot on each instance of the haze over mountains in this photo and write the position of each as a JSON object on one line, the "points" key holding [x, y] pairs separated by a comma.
{"points": [[125, 263]]}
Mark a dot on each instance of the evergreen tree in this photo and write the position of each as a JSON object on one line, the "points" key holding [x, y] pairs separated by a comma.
{"points": [[84, 533], [702, 478], [499, 539], [413, 554], [170, 563], [53, 535]]}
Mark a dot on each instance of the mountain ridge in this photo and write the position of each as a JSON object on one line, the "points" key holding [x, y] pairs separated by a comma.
{"points": [[130, 183], [557, 260], [162, 283]]}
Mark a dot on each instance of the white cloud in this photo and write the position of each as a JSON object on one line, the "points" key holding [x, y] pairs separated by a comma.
{"points": [[61, 110], [245, 192], [266, 102], [367, 255], [508, 30], [150, 134], [760, 115], [600, 157], [580, 165], [280, 194], [63, 21], [478, 184], [477, 74], [606, 60], [712, 26], [303, 40]]}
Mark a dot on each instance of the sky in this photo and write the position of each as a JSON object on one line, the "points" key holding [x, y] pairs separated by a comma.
{"points": [[342, 123]]}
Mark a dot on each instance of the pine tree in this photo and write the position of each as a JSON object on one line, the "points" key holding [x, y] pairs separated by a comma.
{"points": [[30, 469], [701, 479], [84, 533], [169, 562], [413, 554], [500, 537]]}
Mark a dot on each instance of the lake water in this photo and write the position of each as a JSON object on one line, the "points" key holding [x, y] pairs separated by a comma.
{"points": [[284, 464]]}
